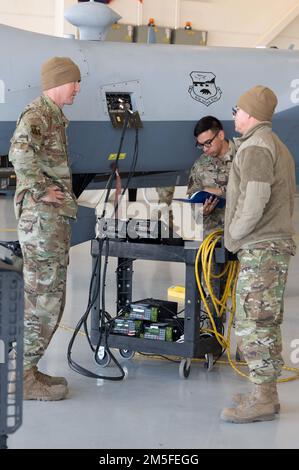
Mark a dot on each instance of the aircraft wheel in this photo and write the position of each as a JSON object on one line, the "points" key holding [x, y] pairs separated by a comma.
{"points": [[184, 369], [127, 353]]}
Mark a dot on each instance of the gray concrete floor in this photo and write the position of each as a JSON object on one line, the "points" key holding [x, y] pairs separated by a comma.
{"points": [[153, 408]]}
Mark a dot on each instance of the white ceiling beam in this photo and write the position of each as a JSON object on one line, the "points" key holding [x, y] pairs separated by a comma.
{"points": [[278, 27]]}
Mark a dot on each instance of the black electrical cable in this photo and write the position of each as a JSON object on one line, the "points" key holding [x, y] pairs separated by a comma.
{"points": [[108, 330], [105, 320], [108, 318], [175, 317], [131, 171], [159, 355], [75, 366], [125, 127], [105, 315]]}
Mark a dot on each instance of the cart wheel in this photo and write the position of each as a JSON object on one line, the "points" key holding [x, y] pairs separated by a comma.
{"points": [[103, 358], [127, 353], [209, 364], [185, 367]]}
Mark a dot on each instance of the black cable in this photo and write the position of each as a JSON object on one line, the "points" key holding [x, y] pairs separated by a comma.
{"points": [[125, 263], [83, 321], [105, 320], [108, 318], [131, 171], [73, 365], [125, 127], [159, 355]]}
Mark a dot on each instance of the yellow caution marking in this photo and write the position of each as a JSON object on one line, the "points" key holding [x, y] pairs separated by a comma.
{"points": [[113, 156]]}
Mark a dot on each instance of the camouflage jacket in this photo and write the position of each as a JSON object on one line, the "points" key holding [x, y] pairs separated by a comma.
{"points": [[261, 190], [38, 153], [211, 172]]}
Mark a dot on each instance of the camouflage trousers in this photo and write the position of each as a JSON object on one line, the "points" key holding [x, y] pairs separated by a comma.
{"points": [[259, 296], [45, 240]]}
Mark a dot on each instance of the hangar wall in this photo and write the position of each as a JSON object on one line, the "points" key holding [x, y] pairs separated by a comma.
{"points": [[228, 22], [34, 15]]}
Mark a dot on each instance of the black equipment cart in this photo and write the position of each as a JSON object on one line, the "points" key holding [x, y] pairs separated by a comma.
{"points": [[195, 344]]}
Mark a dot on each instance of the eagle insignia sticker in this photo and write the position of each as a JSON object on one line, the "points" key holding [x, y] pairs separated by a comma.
{"points": [[204, 88]]}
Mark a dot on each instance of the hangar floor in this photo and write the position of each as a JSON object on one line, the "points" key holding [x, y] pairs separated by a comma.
{"points": [[153, 408]]}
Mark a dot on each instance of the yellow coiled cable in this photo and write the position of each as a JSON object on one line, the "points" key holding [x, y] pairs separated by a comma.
{"points": [[204, 258]]}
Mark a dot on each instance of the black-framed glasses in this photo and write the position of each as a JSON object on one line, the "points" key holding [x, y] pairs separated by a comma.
{"points": [[207, 143], [235, 109]]}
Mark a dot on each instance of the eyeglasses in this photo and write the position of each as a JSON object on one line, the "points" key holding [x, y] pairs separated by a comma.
{"points": [[235, 109], [207, 143]]}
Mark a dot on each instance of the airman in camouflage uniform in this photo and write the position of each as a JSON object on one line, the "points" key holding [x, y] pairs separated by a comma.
{"points": [[44, 205], [258, 227], [211, 172]]}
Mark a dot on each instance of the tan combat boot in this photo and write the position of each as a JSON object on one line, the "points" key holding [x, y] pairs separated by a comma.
{"points": [[37, 388], [50, 380], [261, 408], [239, 398]]}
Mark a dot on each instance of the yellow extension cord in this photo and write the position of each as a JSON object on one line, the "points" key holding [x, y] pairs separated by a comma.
{"points": [[205, 257]]}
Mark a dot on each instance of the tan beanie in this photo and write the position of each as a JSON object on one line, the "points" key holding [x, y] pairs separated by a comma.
{"points": [[58, 71], [259, 102]]}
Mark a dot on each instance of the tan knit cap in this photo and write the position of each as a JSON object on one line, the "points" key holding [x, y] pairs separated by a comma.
{"points": [[259, 102], [58, 71]]}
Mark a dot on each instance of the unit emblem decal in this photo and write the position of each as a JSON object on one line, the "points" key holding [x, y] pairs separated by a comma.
{"points": [[204, 88]]}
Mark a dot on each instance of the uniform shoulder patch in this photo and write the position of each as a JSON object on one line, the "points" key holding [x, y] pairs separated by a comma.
{"points": [[36, 130]]}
